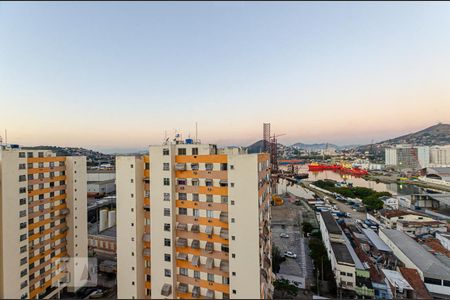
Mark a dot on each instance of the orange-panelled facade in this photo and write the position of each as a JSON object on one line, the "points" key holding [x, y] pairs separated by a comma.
{"points": [[47, 226], [147, 230]]}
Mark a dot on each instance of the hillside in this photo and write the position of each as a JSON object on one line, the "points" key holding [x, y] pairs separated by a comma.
{"points": [[314, 146], [255, 147], [438, 134], [91, 156]]}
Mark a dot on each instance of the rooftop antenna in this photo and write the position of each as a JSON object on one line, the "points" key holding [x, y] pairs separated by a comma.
{"points": [[196, 133]]}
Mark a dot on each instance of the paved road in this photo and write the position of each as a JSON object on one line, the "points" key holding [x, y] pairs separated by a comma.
{"points": [[290, 216]]}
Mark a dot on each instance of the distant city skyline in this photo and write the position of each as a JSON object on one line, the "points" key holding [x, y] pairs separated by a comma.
{"points": [[117, 75]]}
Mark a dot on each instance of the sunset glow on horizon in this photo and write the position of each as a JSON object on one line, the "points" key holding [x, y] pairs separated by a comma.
{"points": [[119, 75]]}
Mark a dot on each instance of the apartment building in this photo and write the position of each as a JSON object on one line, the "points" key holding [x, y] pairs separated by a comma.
{"points": [[407, 156], [42, 223], [193, 222]]}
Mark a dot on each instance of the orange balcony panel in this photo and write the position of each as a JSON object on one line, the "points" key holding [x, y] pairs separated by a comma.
{"points": [[35, 292], [46, 170], [44, 222], [202, 252], [46, 159], [223, 175], [146, 201], [201, 221], [202, 268], [188, 296], [202, 236], [214, 190], [147, 173], [148, 284], [146, 158], [224, 288], [220, 158], [263, 157], [46, 200], [202, 205], [46, 190], [47, 179], [147, 186]]}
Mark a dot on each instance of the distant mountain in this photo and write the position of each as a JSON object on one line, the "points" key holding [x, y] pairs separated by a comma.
{"points": [[438, 134], [256, 147], [91, 155], [319, 146]]}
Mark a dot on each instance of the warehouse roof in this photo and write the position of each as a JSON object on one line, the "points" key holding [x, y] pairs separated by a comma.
{"points": [[375, 240], [423, 259], [341, 253], [330, 223]]}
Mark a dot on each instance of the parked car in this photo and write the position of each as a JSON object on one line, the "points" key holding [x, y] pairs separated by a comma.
{"points": [[290, 254], [284, 235]]}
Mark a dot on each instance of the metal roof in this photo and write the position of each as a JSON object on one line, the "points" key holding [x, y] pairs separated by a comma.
{"points": [[330, 223], [342, 253], [375, 240], [424, 260]]}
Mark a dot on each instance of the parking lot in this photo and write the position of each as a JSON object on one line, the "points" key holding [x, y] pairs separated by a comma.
{"points": [[286, 219]]}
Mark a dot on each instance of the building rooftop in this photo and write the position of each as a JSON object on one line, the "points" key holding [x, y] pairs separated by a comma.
{"points": [[423, 223], [330, 223], [397, 280], [423, 259], [110, 232], [376, 241], [101, 181], [414, 280], [398, 213], [342, 253]]}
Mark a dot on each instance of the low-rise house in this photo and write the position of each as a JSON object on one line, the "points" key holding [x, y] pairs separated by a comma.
{"points": [[416, 228], [389, 218]]}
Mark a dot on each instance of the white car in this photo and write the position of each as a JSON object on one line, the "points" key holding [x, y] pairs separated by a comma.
{"points": [[290, 254], [284, 235]]}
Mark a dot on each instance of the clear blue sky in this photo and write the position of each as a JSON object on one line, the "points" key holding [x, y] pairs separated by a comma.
{"points": [[116, 75]]}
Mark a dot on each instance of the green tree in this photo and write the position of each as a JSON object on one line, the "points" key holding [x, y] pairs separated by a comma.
{"points": [[277, 259], [284, 288], [307, 227]]}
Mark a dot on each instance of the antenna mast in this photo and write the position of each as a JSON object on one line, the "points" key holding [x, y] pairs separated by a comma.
{"points": [[196, 133]]}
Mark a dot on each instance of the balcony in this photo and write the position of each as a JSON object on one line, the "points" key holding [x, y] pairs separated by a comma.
{"points": [[223, 216], [183, 288], [195, 228], [146, 252], [224, 233], [182, 226], [224, 266], [182, 242], [166, 290], [210, 263], [195, 244], [180, 166], [65, 211], [223, 182], [209, 247], [64, 229], [196, 292], [209, 230], [196, 261], [146, 237], [182, 256]]}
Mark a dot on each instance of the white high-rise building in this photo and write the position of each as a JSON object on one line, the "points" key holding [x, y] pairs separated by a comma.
{"points": [[43, 221], [193, 221], [440, 156]]}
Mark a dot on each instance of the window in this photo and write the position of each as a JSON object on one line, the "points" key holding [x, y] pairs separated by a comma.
{"points": [[446, 282], [225, 280], [210, 277], [432, 281], [147, 166], [166, 167], [166, 181], [23, 225], [184, 271], [232, 220], [182, 211], [165, 151], [23, 261], [22, 166], [231, 167], [23, 272], [224, 167], [41, 165], [233, 237], [208, 182], [233, 273], [166, 227], [22, 201], [21, 154], [167, 273], [22, 213], [181, 151], [131, 166], [167, 242], [194, 151], [197, 274], [166, 257], [166, 196], [350, 274], [209, 198], [22, 190], [209, 167], [234, 292], [342, 273], [40, 154], [194, 166], [195, 197], [131, 180], [30, 154], [233, 255], [182, 196], [23, 284], [167, 212], [232, 202], [224, 199], [23, 249], [196, 212], [232, 184], [209, 214]]}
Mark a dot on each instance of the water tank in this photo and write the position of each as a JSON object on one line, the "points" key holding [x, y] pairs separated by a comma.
{"points": [[103, 223], [111, 218], [189, 141]]}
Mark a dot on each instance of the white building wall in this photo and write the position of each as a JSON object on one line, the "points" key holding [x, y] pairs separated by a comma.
{"points": [[246, 265], [390, 156], [130, 201], [440, 155], [423, 155], [10, 232], [77, 236]]}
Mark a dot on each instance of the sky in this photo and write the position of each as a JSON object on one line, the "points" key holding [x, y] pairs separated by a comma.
{"points": [[122, 75]]}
